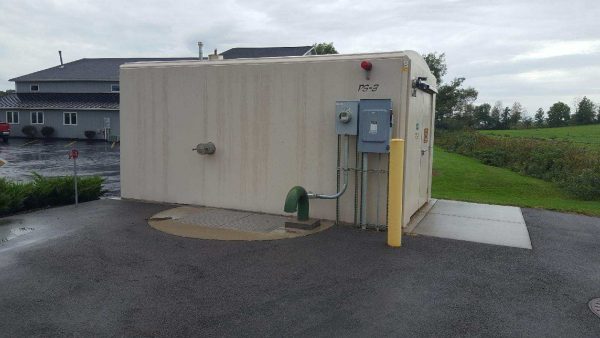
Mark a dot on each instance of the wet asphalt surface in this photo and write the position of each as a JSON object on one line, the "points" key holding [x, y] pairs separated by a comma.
{"points": [[100, 270], [50, 158]]}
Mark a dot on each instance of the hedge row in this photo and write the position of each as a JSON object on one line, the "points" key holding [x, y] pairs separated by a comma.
{"points": [[573, 168], [46, 191], [47, 131]]}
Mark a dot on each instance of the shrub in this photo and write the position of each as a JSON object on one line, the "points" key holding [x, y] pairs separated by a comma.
{"points": [[90, 134], [575, 169], [47, 131], [13, 195], [585, 185], [494, 157], [50, 191], [47, 191], [29, 131]]}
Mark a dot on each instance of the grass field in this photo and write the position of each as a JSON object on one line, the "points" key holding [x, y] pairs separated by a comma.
{"points": [[458, 177], [588, 135]]}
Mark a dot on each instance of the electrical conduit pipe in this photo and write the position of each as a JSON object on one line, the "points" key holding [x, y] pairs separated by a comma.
{"points": [[297, 197], [345, 169]]}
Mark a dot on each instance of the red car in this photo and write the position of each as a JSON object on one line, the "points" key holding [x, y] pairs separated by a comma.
{"points": [[4, 131]]}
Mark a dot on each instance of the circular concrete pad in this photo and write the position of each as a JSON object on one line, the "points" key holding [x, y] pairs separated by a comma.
{"points": [[227, 225]]}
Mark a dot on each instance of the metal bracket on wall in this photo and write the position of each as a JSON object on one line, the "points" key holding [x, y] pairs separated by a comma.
{"points": [[419, 83]]}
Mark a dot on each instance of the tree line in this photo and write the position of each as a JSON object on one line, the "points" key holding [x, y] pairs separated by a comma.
{"points": [[6, 92], [455, 108]]}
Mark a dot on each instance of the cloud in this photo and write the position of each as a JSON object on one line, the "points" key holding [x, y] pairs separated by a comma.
{"points": [[508, 49], [549, 49]]}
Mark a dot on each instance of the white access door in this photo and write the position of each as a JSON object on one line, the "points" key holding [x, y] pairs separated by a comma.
{"points": [[426, 104]]}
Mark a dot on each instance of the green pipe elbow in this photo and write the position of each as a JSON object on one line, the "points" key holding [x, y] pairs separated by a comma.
{"points": [[297, 200]]}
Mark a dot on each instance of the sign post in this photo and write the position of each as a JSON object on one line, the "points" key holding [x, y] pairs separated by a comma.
{"points": [[74, 154], [107, 128]]}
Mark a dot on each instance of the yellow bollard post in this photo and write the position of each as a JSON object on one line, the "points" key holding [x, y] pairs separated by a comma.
{"points": [[395, 190]]}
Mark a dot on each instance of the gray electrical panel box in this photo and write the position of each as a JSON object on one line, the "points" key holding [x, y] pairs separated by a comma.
{"points": [[346, 117], [374, 125]]}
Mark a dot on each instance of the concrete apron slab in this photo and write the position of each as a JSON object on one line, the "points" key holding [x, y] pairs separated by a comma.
{"points": [[228, 225], [474, 222]]}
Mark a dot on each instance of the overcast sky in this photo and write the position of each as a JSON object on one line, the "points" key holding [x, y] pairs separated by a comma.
{"points": [[535, 52]]}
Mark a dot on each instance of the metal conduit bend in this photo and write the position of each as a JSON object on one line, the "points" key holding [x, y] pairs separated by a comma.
{"points": [[297, 198], [345, 169]]}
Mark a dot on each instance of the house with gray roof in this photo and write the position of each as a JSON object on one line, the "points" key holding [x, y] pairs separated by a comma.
{"points": [[82, 97], [266, 52]]}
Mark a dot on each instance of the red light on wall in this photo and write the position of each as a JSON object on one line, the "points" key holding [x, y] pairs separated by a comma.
{"points": [[366, 65]]}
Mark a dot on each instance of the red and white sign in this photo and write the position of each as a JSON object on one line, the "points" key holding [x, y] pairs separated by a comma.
{"points": [[73, 154]]}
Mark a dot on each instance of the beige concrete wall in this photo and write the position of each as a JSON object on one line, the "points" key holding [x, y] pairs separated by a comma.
{"points": [[272, 121], [416, 107]]}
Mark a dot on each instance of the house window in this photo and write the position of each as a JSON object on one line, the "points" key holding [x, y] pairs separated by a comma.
{"points": [[12, 117], [69, 119], [37, 117], [115, 88], [34, 88]]}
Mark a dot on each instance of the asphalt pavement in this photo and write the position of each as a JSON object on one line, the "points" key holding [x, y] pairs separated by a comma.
{"points": [[100, 270]]}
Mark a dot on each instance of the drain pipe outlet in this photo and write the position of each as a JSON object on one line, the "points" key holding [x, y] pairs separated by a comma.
{"points": [[297, 200]]}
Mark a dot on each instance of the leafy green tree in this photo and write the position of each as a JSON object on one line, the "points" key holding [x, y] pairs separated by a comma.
{"points": [[437, 65], [527, 122], [539, 118], [559, 114], [467, 116], [324, 48], [482, 117], [495, 115], [452, 101], [505, 118], [516, 114], [584, 114], [6, 92]]}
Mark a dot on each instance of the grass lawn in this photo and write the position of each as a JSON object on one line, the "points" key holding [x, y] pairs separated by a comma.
{"points": [[462, 178], [588, 135]]}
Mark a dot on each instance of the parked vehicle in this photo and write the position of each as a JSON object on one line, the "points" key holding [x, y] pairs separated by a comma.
{"points": [[4, 131]]}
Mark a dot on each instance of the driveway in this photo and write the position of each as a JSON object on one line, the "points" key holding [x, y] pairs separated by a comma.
{"points": [[100, 270]]}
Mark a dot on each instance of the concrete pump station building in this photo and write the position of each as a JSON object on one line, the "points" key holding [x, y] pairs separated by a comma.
{"points": [[257, 134]]}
